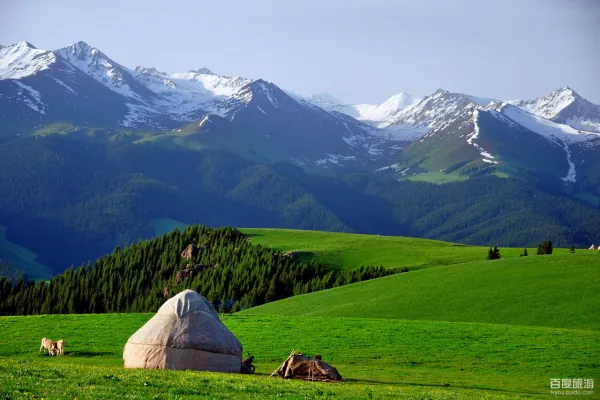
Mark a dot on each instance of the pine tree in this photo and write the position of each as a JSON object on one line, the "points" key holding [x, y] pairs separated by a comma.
{"points": [[493, 254], [496, 253], [524, 253], [548, 247], [545, 248]]}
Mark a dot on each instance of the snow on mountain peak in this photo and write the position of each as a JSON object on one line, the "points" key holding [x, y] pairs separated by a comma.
{"points": [[544, 126], [434, 111], [185, 96], [152, 71], [23, 59], [567, 90], [82, 51], [23, 44], [377, 115], [323, 100], [550, 105], [565, 106], [400, 101], [440, 92], [80, 46], [98, 66], [203, 70], [382, 114]]}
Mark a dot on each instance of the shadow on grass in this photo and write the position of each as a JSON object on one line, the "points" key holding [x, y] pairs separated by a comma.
{"points": [[88, 353], [251, 235], [302, 255], [432, 385]]}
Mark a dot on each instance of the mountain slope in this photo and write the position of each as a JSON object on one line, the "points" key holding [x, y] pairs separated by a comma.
{"points": [[535, 290], [80, 84], [564, 106], [73, 196], [378, 115], [39, 87], [496, 137], [98, 66], [23, 59]]}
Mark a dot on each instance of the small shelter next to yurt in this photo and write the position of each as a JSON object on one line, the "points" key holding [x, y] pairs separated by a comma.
{"points": [[299, 366], [185, 333]]}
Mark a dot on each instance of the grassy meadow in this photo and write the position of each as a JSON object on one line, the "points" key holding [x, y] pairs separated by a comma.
{"points": [[378, 358], [560, 292], [347, 250], [454, 327], [437, 177]]}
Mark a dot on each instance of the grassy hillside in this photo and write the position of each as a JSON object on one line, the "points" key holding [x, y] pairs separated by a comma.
{"points": [[379, 359], [347, 251], [537, 290]]}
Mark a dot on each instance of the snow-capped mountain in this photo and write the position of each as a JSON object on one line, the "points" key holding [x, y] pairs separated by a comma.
{"points": [[434, 111], [377, 115], [497, 137], [81, 85], [98, 66], [565, 106], [23, 59], [39, 86], [323, 100]]}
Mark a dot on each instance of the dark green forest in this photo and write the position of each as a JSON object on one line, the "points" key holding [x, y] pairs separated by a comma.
{"points": [[73, 197], [221, 264]]}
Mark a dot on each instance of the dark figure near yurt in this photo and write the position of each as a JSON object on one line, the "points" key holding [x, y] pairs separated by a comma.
{"points": [[248, 365], [185, 333], [299, 366]]}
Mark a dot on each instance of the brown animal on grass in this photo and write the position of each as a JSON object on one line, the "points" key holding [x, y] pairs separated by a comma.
{"points": [[43, 346], [60, 347], [49, 345]]}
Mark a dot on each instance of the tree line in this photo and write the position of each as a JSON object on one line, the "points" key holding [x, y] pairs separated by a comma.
{"points": [[223, 266]]}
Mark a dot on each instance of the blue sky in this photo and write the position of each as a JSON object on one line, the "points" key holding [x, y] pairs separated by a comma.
{"points": [[357, 50]]}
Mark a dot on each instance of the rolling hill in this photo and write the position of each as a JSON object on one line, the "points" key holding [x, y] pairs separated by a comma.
{"points": [[466, 330], [348, 251], [547, 291]]}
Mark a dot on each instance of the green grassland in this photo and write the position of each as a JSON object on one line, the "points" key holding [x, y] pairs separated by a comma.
{"points": [[550, 291], [347, 251], [437, 177], [21, 258], [455, 327], [378, 358]]}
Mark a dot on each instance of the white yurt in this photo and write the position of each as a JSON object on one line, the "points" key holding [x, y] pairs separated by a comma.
{"points": [[185, 333]]}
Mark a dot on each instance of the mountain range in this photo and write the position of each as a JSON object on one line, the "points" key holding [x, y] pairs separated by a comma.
{"points": [[81, 85], [234, 150]]}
